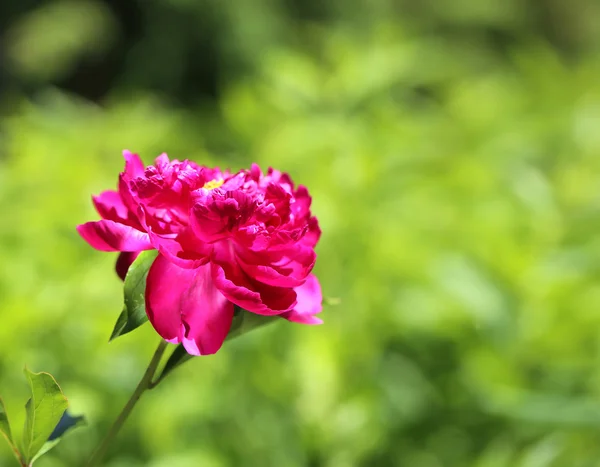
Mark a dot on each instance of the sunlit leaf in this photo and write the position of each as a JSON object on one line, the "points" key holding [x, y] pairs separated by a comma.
{"points": [[66, 424], [134, 308], [244, 322], [43, 412], [5, 431]]}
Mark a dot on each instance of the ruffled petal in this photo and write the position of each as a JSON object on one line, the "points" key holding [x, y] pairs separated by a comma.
{"points": [[302, 216], [110, 206], [208, 224], [183, 248], [185, 258], [184, 306], [313, 234], [108, 235], [278, 268], [310, 303], [245, 292], [216, 212], [134, 168]]}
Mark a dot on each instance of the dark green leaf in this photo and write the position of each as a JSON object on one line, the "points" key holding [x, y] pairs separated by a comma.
{"points": [[244, 322], [4, 425], [66, 424], [134, 308], [177, 358], [44, 410], [5, 431]]}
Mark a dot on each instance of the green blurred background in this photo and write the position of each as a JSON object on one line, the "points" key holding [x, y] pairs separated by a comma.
{"points": [[453, 152]]}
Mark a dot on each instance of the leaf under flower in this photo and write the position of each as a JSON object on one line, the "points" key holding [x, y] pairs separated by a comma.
{"points": [[134, 288]]}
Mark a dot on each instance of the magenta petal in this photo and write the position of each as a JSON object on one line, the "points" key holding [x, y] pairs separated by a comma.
{"points": [[110, 206], [241, 296], [280, 269], [164, 286], [183, 248], [207, 225], [172, 249], [310, 300], [270, 275], [184, 306], [134, 167], [250, 295], [245, 292], [311, 238], [108, 235]]}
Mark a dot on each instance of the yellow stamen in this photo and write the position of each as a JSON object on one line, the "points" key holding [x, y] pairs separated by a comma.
{"points": [[213, 184]]}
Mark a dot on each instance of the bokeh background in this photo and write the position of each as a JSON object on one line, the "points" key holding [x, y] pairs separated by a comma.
{"points": [[453, 152]]}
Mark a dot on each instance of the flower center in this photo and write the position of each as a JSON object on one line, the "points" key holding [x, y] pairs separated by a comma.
{"points": [[213, 184]]}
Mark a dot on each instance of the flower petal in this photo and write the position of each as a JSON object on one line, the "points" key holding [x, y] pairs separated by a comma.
{"points": [[245, 292], [108, 235], [134, 168], [184, 306], [302, 214], [110, 206], [176, 253], [216, 212], [183, 249], [164, 285], [310, 301], [278, 268]]}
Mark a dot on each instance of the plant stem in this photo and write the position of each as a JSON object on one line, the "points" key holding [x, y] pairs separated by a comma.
{"points": [[143, 385], [153, 384]]}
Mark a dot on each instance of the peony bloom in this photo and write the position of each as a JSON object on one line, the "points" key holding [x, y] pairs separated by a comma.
{"points": [[244, 239]]}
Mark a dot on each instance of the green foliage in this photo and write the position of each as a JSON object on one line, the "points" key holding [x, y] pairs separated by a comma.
{"points": [[134, 309], [44, 411], [6, 431], [47, 419], [66, 424], [452, 156], [244, 321]]}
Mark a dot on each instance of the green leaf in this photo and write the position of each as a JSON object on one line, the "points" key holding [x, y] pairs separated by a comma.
{"points": [[134, 308], [44, 410], [66, 424], [6, 433], [243, 322]]}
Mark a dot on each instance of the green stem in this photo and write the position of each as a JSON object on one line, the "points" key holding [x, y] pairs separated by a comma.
{"points": [[156, 382], [144, 384]]}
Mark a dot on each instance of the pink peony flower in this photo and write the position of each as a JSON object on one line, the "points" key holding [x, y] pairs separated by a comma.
{"points": [[244, 239]]}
